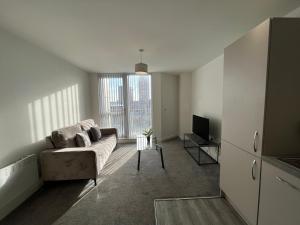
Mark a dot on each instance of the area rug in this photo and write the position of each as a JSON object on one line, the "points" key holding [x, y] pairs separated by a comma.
{"points": [[192, 211]]}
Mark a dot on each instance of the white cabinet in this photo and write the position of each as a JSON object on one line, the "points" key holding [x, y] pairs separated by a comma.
{"points": [[244, 90], [261, 107], [261, 92], [245, 74], [240, 174], [280, 197]]}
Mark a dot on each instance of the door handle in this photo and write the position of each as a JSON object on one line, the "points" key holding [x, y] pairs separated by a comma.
{"points": [[255, 141], [288, 183], [252, 170]]}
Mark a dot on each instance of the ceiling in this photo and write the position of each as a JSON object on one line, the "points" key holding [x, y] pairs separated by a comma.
{"points": [[105, 35]]}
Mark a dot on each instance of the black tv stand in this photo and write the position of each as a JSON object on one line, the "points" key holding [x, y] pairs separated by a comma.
{"points": [[198, 142]]}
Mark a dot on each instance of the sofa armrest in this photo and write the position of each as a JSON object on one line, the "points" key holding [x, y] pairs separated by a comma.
{"points": [[109, 131], [69, 164]]}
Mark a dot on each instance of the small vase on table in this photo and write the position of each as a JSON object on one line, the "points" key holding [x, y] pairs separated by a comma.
{"points": [[147, 133]]}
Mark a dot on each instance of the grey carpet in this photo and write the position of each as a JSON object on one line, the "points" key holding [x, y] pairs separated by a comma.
{"points": [[123, 195], [195, 211]]}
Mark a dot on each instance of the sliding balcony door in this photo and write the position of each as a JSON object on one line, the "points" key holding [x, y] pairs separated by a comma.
{"points": [[125, 103]]}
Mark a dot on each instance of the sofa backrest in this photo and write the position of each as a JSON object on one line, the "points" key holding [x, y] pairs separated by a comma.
{"points": [[65, 137], [87, 124]]}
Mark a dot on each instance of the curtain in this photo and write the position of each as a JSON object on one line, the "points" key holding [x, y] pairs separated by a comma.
{"points": [[125, 103]]}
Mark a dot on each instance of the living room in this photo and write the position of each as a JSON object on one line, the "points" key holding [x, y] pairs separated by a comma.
{"points": [[85, 83]]}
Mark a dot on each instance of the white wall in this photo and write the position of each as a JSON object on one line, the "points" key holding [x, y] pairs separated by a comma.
{"points": [[207, 94], [38, 93], [185, 106], [94, 97], [294, 13], [170, 106], [201, 93]]}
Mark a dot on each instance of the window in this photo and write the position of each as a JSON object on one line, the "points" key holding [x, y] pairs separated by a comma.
{"points": [[125, 103]]}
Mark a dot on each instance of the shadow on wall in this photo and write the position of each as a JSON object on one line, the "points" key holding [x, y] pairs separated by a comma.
{"points": [[52, 112]]}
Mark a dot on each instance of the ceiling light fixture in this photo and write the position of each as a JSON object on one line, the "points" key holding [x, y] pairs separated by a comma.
{"points": [[141, 68]]}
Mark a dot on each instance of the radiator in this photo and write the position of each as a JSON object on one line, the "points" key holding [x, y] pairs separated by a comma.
{"points": [[17, 182]]}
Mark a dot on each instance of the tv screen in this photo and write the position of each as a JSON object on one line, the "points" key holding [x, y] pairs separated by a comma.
{"points": [[201, 127]]}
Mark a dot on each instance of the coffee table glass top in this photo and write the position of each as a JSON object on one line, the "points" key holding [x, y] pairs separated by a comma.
{"points": [[142, 143]]}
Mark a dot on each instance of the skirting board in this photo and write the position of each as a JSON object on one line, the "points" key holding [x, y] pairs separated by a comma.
{"points": [[169, 138], [132, 140], [233, 206]]}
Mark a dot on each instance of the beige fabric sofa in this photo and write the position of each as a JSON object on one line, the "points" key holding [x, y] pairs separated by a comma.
{"points": [[70, 162]]}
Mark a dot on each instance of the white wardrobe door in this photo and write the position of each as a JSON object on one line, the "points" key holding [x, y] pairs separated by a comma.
{"points": [[245, 69]]}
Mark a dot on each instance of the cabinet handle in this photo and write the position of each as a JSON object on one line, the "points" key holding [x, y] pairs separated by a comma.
{"points": [[255, 141], [252, 170], [288, 183]]}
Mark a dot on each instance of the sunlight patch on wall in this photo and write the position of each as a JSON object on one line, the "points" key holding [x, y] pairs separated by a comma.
{"points": [[54, 111], [60, 109], [38, 119], [31, 121]]}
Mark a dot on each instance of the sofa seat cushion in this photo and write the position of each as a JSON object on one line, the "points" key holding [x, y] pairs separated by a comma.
{"points": [[65, 137], [104, 148]]}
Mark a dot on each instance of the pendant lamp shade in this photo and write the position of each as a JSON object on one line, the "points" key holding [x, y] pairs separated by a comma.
{"points": [[141, 68]]}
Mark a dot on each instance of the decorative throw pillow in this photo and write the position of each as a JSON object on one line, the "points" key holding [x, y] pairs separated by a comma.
{"points": [[83, 139], [95, 133], [49, 143], [65, 137]]}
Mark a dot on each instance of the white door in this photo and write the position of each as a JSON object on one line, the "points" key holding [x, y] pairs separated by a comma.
{"points": [[245, 69], [239, 180], [169, 106]]}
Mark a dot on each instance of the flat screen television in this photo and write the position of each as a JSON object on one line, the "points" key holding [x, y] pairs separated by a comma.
{"points": [[201, 127]]}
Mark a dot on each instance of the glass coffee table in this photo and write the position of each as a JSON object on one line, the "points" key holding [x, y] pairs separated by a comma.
{"points": [[143, 145]]}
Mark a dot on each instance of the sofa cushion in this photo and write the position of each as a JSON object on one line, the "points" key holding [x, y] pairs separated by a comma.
{"points": [[104, 148], [95, 133], [83, 139], [49, 143], [65, 137], [86, 126]]}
